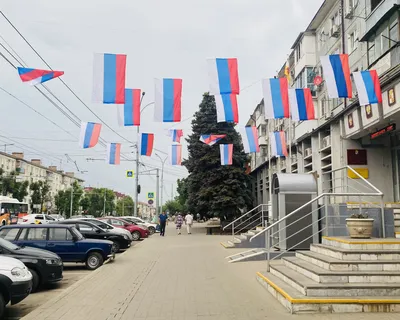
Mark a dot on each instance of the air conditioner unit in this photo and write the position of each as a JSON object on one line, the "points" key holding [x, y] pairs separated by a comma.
{"points": [[307, 152], [326, 142], [335, 31], [350, 13]]}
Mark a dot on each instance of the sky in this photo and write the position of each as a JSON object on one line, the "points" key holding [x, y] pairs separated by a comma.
{"points": [[162, 39]]}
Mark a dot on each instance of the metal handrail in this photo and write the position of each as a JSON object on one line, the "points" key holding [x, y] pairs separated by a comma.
{"points": [[245, 214]]}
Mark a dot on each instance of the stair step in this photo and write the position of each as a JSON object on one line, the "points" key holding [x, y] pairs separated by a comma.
{"points": [[236, 240], [296, 302], [227, 245], [321, 275], [369, 244], [245, 255], [330, 263], [308, 287], [398, 235]]}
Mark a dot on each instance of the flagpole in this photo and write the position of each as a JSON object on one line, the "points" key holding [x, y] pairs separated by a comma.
{"points": [[290, 145], [270, 217]]}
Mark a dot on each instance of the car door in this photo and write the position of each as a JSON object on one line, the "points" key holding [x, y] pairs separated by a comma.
{"points": [[62, 242], [88, 231], [33, 237]]}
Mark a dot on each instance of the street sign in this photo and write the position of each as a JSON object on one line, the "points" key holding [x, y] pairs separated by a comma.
{"points": [[150, 195], [129, 174], [150, 202]]}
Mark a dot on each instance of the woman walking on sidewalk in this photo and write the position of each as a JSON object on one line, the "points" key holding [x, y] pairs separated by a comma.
{"points": [[179, 222]]}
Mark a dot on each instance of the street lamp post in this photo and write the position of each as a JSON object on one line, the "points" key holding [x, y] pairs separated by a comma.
{"points": [[162, 179]]}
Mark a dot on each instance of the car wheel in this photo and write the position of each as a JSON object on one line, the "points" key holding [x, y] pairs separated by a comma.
{"points": [[35, 280], [116, 246], [136, 235], [152, 230], [94, 260], [2, 306]]}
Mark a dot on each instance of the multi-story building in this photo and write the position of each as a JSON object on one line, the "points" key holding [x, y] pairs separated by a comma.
{"points": [[370, 35]]}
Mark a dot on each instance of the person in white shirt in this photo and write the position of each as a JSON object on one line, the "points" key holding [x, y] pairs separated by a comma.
{"points": [[189, 222]]}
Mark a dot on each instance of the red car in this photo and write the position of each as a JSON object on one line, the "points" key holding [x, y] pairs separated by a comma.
{"points": [[136, 231]]}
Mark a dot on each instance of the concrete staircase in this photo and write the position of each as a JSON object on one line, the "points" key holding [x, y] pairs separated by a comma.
{"points": [[243, 240], [339, 275]]}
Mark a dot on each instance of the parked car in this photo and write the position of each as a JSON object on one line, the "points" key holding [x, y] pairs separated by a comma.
{"points": [[15, 282], [130, 221], [106, 226], [45, 266], [151, 226], [92, 231], [36, 218], [57, 217], [137, 232], [65, 241]]}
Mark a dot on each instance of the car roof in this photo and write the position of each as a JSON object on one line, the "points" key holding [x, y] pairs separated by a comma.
{"points": [[11, 226], [73, 221]]}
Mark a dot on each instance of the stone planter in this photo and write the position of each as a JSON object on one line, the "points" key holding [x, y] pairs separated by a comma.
{"points": [[360, 228]]}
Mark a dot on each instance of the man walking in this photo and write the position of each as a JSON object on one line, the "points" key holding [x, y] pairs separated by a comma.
{"points": [[189, 222], [163, 222]]}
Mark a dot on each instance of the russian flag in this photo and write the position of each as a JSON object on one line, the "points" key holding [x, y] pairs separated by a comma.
{"points": [[109, 78], [276, 98], [301, 104], [278, 144], [36, 76], [114, 153], [167, 103], [226, 152], [175, 155], [146, 144], [90, 133], [132, 107], [223, 76], [211, 139], [176, 135], [250, 139], [227, 108], [368, 87], [337, 75]]}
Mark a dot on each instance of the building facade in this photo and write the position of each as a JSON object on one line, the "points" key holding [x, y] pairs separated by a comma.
{"points": [[345, 133]]}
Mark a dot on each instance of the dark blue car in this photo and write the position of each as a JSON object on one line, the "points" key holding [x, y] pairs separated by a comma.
{"points": [[64, 240]]}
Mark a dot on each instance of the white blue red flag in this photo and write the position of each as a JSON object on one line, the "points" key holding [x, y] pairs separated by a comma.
{"points": [[278, 144], [211, 139], [226, 153], [90, 133], [114, 153], [146, 144], [168, 100], [301, 104], [227, 108], [109, 78], [132, 107], [223, 76], [337, 75], [175, 155], [36, 76], [368, 87], [276, 98], [176, 135], [250, 139]]}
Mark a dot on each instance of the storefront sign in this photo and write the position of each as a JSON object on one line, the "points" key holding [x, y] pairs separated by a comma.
{"points": [[389, 128]]}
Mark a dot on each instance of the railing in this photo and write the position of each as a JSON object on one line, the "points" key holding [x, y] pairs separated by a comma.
{"points": [[256, 216]]}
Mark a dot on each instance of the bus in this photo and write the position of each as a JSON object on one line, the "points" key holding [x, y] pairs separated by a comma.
{"points": [[11, 210]]}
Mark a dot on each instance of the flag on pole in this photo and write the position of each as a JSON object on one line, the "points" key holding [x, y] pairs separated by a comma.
{"points": [[176, 135], [276, 100], [167, 103], [211, 139], [337, 75], [175, 155], [223, 76], [368, 87], [301, 104], [109, 78], [226, 152], [132, 107], [114, 153], [227, 108], [278, 144], [146, 144], [36, 76], [90, 133], [250, 139]]}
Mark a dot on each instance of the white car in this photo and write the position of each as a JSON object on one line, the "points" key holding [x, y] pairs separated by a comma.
{"points": [[151, 226], [15, 281], [106, 226], [57, 217], [36, 218]]}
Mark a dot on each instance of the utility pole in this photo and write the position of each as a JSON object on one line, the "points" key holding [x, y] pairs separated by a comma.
{"points": [[72, 200], [157, 191], [162, 185], [137, 170], [104, 204], [343, 33]]}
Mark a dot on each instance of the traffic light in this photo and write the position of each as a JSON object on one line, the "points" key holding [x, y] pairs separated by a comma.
{"points": [[138, 188]]}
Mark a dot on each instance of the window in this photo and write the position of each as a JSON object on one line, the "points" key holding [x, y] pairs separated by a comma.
{"points": [[298, 52], [37, 234], [352, 41], [49, 218], [39, 217], [322, 104], [23, 234], [335, 19], [116, 222], [375, 3], [9, 234], [60, 234], [371, 51], [85, 227]]}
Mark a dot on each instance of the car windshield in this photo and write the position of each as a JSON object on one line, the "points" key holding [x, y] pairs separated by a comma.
{"points": [[101, 224], [8, 245], [77, 233]]}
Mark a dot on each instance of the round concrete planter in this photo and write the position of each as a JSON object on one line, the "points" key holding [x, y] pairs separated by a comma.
{"points": [[360, 228]]}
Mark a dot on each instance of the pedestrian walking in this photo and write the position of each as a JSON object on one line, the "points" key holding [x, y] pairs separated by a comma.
{"points": [[189, 222], [163, 220], [179, 222]]}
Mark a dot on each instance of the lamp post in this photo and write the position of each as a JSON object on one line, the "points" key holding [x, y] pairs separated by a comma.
{"points": [[162, 179]]}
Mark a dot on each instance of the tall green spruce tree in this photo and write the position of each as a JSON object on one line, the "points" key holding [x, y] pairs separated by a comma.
{"points": [[214, 190]]}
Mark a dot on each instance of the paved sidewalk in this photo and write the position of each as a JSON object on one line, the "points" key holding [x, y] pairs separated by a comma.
{"points": [[174, 278]]}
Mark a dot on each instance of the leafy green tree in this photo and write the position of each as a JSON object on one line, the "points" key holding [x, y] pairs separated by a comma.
{"points": [[85, 202], [125, 206], [182, 190], [213, 189], [10, 185], [40, 193], [98, 198], [63, 199], [173, 206]]}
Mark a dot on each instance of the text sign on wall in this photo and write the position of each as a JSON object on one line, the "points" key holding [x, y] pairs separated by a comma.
{"points": [[377, 134]]}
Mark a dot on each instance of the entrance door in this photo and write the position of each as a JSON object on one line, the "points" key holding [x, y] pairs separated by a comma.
{"points": [[396, 173]]}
